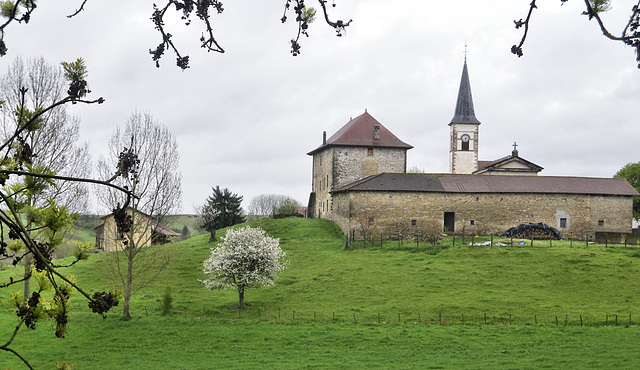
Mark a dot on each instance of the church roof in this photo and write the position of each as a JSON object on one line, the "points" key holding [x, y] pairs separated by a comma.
{"points": [[499, 165], [359, 131], [448, 183], [464, 106]]}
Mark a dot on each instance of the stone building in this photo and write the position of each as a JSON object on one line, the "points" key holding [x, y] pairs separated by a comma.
{"points": [[146, 232], [359, 178]]}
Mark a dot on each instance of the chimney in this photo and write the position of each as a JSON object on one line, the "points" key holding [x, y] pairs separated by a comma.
{"points": [[324, 137], [376, 133]]}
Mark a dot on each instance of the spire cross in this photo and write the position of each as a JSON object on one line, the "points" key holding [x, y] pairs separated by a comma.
{"points": [[515, 146]]}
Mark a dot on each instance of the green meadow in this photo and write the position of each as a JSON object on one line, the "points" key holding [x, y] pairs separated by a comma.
{"points": [[567, 305]]}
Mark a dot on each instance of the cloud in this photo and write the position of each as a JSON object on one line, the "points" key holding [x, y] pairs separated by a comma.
{"points": [[245, 119]]}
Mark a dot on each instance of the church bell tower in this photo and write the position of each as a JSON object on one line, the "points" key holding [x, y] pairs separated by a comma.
{"points": [[463, 146]]}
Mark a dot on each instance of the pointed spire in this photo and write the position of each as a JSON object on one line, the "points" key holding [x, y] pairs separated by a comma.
{"points": [[464, 106]]}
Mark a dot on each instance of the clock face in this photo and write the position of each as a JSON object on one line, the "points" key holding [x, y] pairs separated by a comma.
{"points": [[465, 138]]}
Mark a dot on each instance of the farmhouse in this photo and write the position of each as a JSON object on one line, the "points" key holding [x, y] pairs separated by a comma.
{"points": [[146, 232], [359, 178]]}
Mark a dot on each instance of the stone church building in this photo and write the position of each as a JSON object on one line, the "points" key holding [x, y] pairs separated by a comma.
{"points": [[360, 176]]}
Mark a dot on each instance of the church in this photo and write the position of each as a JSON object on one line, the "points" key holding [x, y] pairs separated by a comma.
{"points": [[360, 176]]}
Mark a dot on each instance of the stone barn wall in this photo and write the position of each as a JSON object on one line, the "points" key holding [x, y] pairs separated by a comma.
{"points": [[485, 213]]}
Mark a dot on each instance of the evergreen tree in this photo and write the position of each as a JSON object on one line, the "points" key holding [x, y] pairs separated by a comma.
{"points": [[185, 232], [222, 209]]}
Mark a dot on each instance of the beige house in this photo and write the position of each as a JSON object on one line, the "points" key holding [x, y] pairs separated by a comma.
{"points": [[359, 177], [146, 232]]}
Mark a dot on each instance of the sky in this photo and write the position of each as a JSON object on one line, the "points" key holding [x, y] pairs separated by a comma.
{"points": [[245, 119]]}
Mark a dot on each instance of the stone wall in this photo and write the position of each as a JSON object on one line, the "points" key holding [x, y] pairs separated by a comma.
{"points": [[354, 163], [486, 213], [322, 180], [334, 167]]}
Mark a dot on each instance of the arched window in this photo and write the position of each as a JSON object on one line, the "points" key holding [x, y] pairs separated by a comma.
{"points": [[465, 142]]}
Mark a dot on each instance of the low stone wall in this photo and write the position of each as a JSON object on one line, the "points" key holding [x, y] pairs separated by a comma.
{"points": [[617, 238]]}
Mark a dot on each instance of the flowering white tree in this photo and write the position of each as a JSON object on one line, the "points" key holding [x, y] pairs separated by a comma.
{"points": [[246, 258]]}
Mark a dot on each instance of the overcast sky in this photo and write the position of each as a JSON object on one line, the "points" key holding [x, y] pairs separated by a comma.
{"points": [[246, 119]]}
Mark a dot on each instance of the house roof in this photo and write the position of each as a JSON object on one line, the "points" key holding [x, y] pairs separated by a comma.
{"points": [[359, 131], [448, 183], [499, 164], [464, 112]]}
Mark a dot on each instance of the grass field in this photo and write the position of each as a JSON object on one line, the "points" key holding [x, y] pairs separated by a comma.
{"points": [[395, 306]]}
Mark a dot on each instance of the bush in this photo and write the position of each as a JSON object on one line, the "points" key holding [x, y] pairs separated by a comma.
{"points": [[166, 304]]}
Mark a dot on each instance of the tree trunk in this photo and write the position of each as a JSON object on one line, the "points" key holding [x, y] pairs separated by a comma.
{"points": [[241, 296], [127, 286], [213, 236], [27, 283]]}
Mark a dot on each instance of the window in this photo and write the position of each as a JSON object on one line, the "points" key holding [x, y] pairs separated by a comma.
{"points": [[472, 222], [600, 222], [414, 222], [465, 142], [563, 222], [370, 220], [370, 152]]}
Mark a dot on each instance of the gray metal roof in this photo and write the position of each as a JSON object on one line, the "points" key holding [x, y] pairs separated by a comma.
{"points": [[464, 106], [447, 183]]}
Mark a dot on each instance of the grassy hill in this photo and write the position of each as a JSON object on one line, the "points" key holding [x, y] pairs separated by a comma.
{"points": [[397, 306]]}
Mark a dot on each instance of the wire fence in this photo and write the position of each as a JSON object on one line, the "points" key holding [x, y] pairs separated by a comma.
{"points": [[430, 319]]}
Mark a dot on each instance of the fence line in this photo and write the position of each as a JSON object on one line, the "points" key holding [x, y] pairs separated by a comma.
{"points": [[262, 314]]}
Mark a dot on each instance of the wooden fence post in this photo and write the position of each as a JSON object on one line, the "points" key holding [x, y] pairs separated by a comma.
{"points": [[485, 318], [535, 320], [580, 320], [586, 241], [354, 318], [492, 239], [570, 240], [378, 317]]}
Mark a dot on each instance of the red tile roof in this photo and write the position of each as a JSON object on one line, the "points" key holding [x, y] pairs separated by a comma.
{"points": [[359, 132]]}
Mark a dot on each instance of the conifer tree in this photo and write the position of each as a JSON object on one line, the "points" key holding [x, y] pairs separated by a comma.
{"points": [[222, 209]]}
